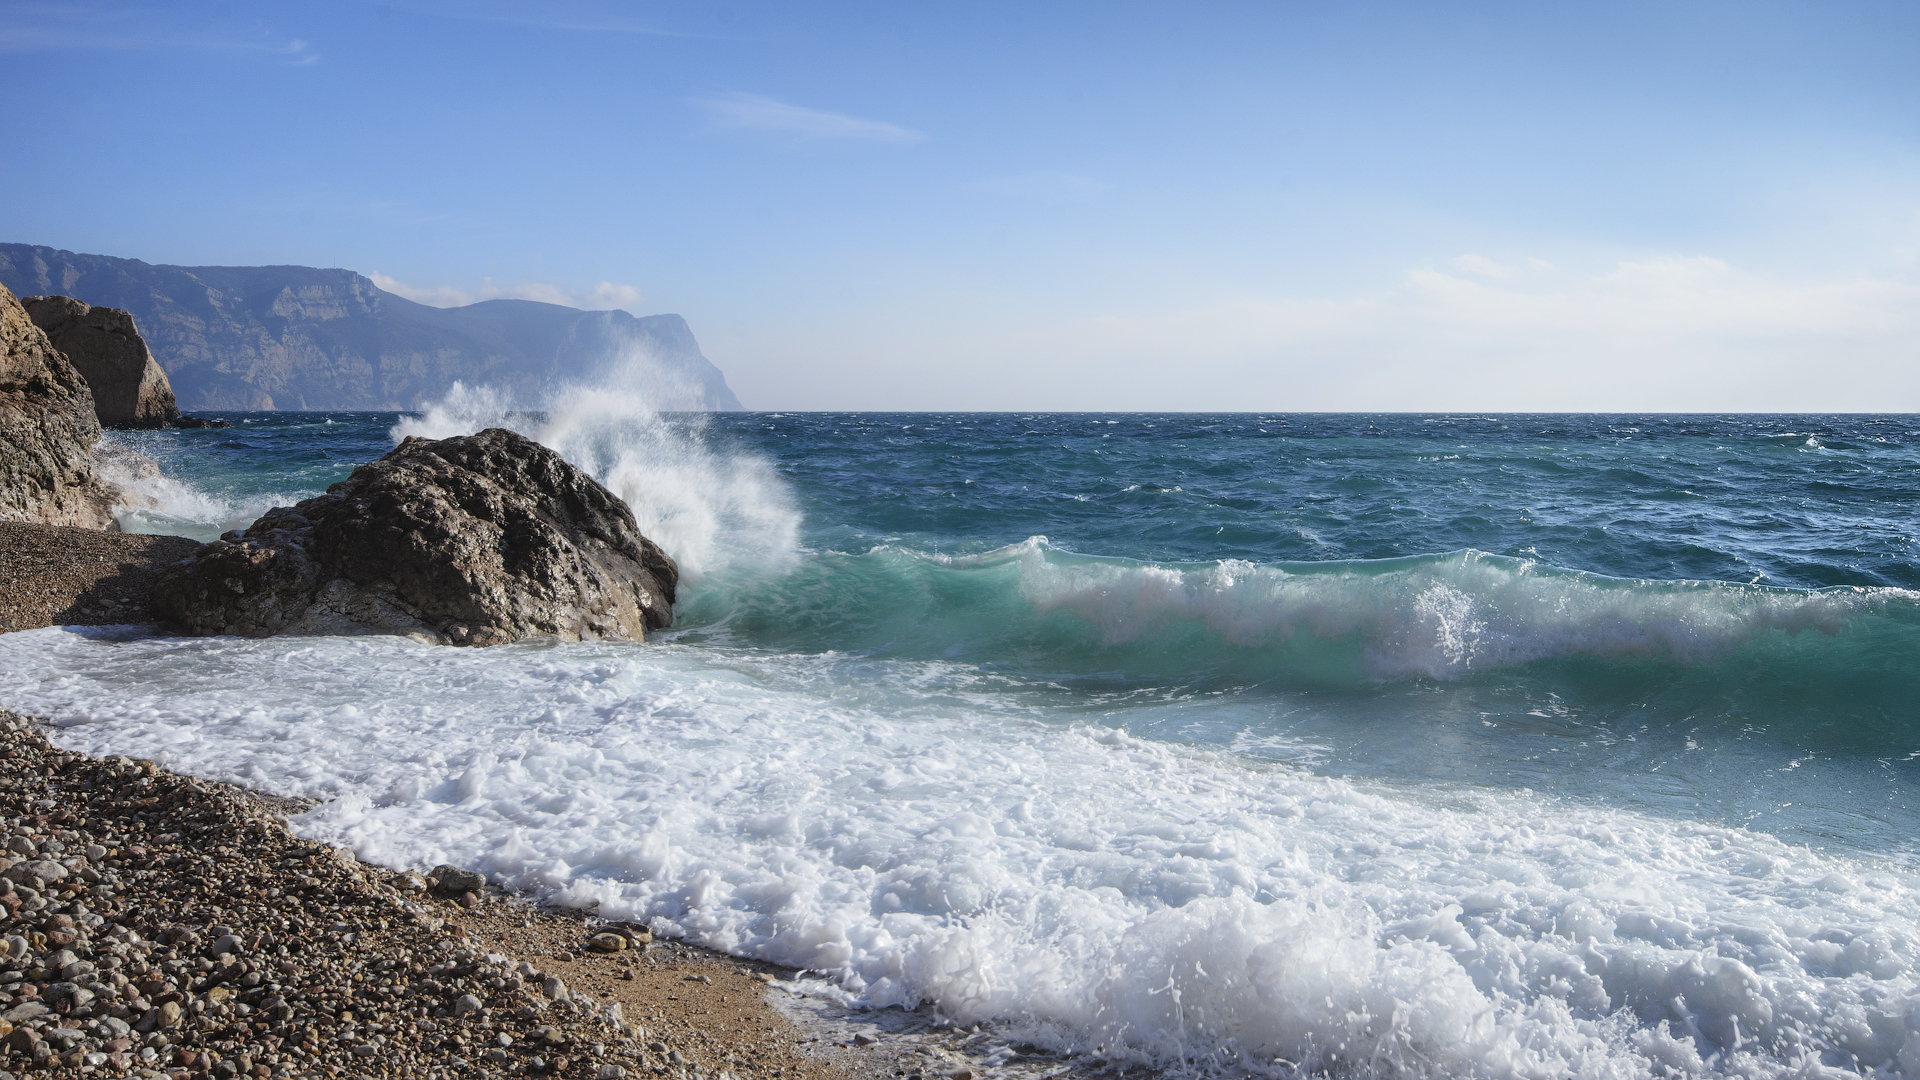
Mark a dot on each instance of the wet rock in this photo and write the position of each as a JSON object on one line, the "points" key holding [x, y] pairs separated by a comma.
{"points": [[476, 540], [452, 879]]}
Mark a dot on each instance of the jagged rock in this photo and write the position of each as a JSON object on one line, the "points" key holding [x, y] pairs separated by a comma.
{"points": [[475, 540], [47, 431], [129, 389]]}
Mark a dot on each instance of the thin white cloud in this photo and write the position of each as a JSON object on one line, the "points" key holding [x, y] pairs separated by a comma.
{"points": [[609, 295], [1483, 266], [756, 113], [1047, 186], [1672, 332], [38, 27], [602, 297], [1665, 333], [562, 17]]}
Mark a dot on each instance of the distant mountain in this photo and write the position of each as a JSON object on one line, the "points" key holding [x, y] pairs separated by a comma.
{"points": [[295, 337]]}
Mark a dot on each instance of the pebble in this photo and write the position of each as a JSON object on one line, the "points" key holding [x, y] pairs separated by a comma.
{"points": [[157, 926]]}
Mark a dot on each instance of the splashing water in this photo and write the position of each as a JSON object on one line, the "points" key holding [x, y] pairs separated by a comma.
{"points": [[710, 509]]}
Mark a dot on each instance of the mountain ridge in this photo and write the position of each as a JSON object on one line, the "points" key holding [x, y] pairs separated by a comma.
{"points": [[305, 338]]}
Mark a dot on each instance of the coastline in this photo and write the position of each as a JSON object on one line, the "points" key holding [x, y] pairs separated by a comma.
{"points": [[181, 857], [177, 928]]}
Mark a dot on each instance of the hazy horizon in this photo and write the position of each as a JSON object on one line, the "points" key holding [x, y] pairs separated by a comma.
{"points": [[1380, 208]]}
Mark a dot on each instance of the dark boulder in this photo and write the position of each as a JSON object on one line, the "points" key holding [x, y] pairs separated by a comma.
{"points": [[47, 431], [129, 389], [475, 540]]}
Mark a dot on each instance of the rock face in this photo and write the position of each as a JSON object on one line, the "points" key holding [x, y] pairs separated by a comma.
{"points": [[129, 389], [299, 337], [47, 431], [475, 540]]}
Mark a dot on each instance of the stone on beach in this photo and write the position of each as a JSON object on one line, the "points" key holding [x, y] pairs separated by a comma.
{"points": [[474, 540], [453, 879]]}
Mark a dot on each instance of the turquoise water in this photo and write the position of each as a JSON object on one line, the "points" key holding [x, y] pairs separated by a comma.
{"points": [[1410, 745], [1704, 616]]}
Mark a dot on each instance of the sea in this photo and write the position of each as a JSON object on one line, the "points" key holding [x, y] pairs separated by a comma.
{"points": [[1256, 744]]}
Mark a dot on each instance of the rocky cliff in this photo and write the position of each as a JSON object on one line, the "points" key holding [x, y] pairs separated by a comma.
{"points": [[296, 337], [129, 389], [47, 431]]}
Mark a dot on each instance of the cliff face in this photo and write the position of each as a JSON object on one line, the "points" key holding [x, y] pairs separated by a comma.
{"points": [[295, 337], [47, 431], [129, 389]]}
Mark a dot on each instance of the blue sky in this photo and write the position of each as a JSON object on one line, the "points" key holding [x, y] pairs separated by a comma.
{"points": [[1047, 206]]}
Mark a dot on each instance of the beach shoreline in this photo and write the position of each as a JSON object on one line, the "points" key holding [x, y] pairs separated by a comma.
{"points": [[187, 932], [721, 1014]]}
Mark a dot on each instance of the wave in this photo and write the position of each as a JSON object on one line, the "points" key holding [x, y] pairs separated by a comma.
{"points": [[150, 501], [1448, 617], [916, 838]]}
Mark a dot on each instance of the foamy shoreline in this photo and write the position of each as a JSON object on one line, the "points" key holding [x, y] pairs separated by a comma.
{"points": [[207, 940]]}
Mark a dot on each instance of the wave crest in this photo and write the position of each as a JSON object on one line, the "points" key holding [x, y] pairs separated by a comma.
{"points": [[1439, 617]]}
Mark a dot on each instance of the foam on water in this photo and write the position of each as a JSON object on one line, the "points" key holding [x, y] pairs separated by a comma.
{"points": [[153, 502], [924, 831]]}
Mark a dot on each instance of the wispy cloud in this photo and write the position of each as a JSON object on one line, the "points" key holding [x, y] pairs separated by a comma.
{"points": [[31, 27], [589, 19], [1048, 186], [756, 113], [1481, 266], [602, 297], [1662, 332]]}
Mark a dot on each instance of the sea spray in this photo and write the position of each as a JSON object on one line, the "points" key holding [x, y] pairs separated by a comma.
{"points": [[154, 498], [713, 510]]}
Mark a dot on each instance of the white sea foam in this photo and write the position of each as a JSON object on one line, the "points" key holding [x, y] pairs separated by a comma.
{"points": [[927, 832], [710, 509]]}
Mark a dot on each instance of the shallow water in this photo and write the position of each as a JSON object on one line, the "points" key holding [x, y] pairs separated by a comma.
{"points": [[1391, 744]]}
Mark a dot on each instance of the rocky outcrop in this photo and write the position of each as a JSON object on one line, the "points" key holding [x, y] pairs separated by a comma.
{"points": [[299, 337], [475, 540], [47, 431], [129, 389]]}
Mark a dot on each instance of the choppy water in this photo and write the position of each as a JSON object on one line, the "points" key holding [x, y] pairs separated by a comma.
{"points": [[1430, 745]]}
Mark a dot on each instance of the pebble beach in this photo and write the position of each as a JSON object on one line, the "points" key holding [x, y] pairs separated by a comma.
{"points": [[159, 926]]}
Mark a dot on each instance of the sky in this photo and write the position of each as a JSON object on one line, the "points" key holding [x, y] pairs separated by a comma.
{"points": [[1672, 206]]}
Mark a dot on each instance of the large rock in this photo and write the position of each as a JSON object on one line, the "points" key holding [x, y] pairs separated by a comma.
{"points": [[47, 431], [475, 540], [129, 389]]}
